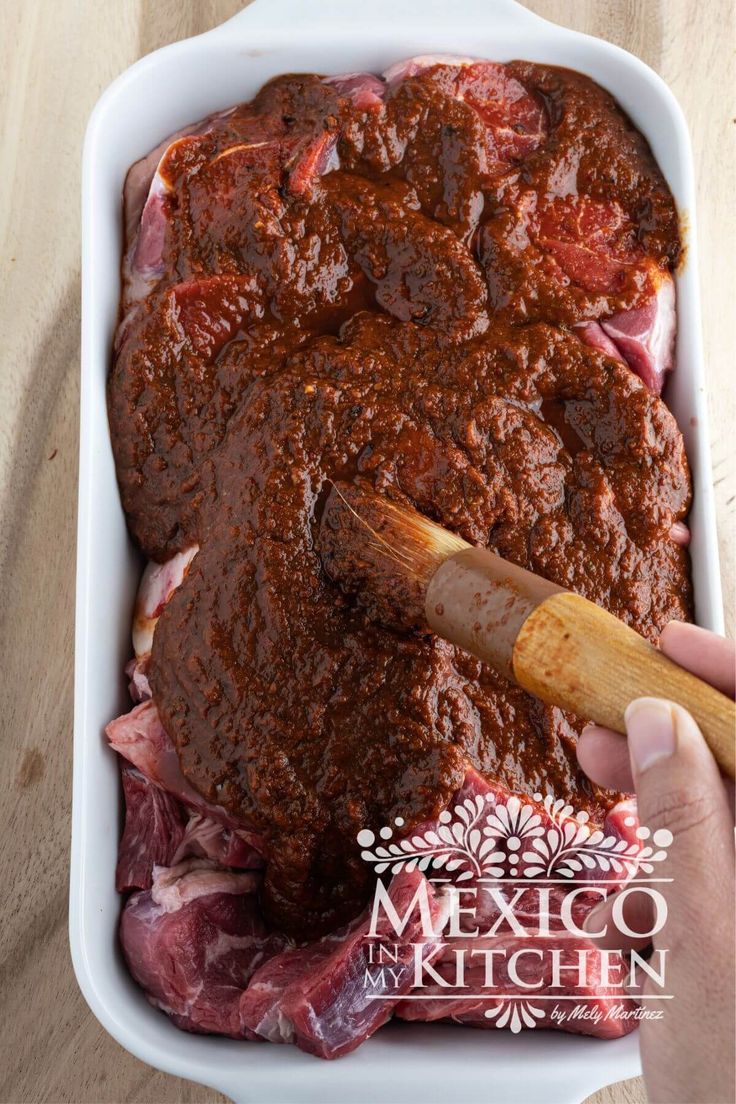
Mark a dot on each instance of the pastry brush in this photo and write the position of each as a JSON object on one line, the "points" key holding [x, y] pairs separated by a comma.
{"points": [[410, 573]]}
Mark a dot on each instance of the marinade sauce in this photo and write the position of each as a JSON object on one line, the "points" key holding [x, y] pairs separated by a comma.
{"points": [[382, 282]]}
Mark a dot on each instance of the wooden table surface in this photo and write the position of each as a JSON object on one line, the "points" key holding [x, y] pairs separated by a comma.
{"points": [[58, 56]]}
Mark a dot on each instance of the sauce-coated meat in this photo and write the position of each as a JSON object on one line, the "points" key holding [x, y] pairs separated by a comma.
{"points": [[357, 279]]}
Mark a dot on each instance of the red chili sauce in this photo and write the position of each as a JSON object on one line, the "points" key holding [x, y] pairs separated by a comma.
{"points": [[383, 280]]}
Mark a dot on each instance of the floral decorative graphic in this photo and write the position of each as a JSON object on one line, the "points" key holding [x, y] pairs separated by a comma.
{"points": [[460, 843], [483, 837], [514, 1014]]}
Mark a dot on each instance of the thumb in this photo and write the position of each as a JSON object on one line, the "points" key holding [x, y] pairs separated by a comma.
{"points": [[689, 1056], [679, 789]]}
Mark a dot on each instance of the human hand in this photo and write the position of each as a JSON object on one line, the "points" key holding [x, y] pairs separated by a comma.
{"points": [[688, 1055]]}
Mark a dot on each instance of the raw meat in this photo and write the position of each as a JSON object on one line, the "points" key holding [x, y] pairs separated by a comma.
{"points": [[597, 1009], [680, 534], [157, 833], [515, 122], [153, 831], [319, 996], [587, 258], [194, 940], [210, 839], [410, 67], [405, 255], [146, 198], [645, 335], [140, 738], [136, 671], [593, 334], [317, 157], [158, 583], [365, 90], [479, 963]]}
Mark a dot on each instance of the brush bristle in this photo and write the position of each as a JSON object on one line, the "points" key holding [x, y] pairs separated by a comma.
{"points": [[417, 543], [382, 552]]}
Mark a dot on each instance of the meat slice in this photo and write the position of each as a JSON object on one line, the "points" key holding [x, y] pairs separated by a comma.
{"points": [[136, 671], [153, 831], [141, 174], [158, 583], [592, 241], [421, 63], [248, 211], [419, 270], [205, 314], [157, 833], [317, 158], [680, 534], [328, 997], [561, 965], [587, 260], [144, 265], [645, 335], [145, 200], [593, 334], [140, 738], [449, 126], [642, 337], [365, 90], [263, 135], [515, 121], [595, 248], [587, 270], [194, 940], [499, 962], [593, 224]]}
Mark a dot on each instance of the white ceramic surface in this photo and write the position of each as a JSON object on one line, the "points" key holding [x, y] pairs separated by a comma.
{"points": [[162, 92]]}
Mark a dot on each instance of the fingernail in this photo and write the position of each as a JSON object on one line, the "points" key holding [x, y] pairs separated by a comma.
{"points": [[650, 727]]}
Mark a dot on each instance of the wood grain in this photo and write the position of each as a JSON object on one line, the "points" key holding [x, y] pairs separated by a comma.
{"points": [[57, 57], [573, 654]]}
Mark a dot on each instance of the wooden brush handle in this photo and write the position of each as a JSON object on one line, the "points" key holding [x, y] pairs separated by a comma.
{"points": [[573, 654], [564, 649]]}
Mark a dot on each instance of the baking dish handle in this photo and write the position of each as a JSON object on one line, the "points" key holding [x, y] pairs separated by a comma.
{"points": [[296, 14]]}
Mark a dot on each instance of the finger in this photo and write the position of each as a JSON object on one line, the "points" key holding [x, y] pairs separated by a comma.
{"points": [[635, 985], [679, 793], [623, 922], [707, 655], [604, 757]]}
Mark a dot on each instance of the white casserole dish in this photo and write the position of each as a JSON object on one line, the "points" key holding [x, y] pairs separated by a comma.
{"points": [[156, 96]]}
